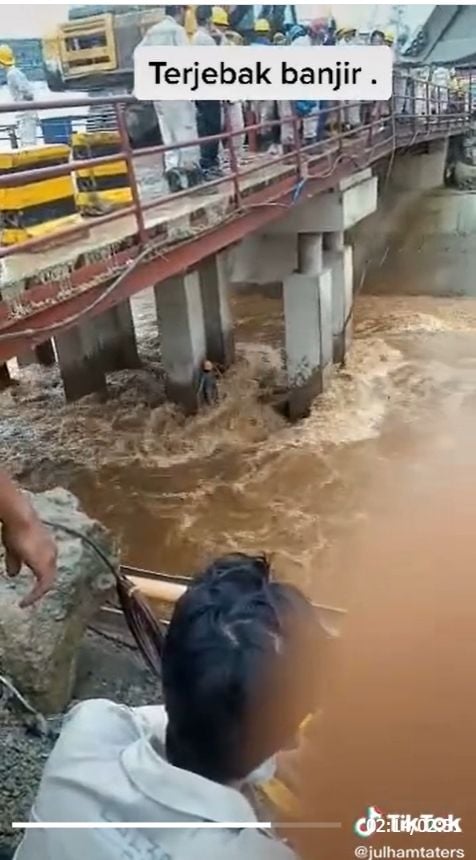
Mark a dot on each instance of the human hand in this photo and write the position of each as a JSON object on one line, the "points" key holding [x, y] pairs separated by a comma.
{"points": [[28, 541]]}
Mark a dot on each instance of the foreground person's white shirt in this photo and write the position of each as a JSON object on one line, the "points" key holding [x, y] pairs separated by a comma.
{"points": [[104, 768]]}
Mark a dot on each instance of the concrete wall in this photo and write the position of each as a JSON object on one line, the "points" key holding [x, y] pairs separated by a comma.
{"points": [[434, 253], [404, 183], [372, 238]]}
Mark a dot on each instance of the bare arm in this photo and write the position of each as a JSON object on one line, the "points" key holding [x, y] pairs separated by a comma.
{"points": [[26, 539]]}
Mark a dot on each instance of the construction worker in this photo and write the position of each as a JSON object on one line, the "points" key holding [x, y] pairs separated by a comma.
{"points": [[25, 539], [235, 109], [208, 111], [220, 24], [389, 39], [20, 90], [440, 79], [318, 30], [262, 32], [285, 108], [346, 36], [265, 111], [299, 36], [377, 37], [204, 32], [231, 37], [177, 119]]}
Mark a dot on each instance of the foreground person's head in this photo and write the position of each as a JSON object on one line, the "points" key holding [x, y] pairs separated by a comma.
{"points": [[177, 12], [238, 669]]}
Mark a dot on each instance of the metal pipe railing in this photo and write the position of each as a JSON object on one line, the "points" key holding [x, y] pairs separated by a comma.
{"points": [[333, 146]]}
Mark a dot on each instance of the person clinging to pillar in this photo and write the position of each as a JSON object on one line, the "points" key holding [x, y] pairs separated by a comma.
{"points": [[208, 394], [19, 90]]}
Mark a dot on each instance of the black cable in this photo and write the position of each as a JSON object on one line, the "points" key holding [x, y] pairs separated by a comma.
{"points": [[141, 621]]}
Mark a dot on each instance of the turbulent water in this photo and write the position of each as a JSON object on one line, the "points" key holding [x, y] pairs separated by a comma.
{"points": [[369, 503]]}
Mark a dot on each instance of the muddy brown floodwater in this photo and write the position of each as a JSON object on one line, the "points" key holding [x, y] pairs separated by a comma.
{"points": [[370, 503]]}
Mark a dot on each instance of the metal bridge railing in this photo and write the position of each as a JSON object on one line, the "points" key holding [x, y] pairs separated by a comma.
{"points": [[418, 110]]}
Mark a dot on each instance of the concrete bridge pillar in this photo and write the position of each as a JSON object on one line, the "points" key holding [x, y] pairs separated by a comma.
{"points": [[214, 288], [182, 333], [116, 338], [308, 324], [338, 258], [80, 361], [43, 354], [5, 380]]}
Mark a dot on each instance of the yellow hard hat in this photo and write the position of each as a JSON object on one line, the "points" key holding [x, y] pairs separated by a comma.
{"points": [[220, 17], [389, 37], [262, 26], [345, 31], [6, 56]]}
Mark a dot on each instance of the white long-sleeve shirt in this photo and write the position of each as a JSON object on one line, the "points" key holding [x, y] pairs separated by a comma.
{"points": [[203, 37], [19, 86], [167, 32], [109, 765]]}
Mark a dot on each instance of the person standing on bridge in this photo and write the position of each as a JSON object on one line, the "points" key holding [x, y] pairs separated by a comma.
{"points": [[25, 540], [177, 119], [20, 90], [208, 111]]}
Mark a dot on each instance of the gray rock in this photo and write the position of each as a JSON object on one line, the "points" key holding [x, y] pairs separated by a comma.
{"points": [[465, 175], [39, 646]]}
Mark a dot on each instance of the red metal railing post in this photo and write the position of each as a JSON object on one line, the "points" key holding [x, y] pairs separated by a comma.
{"points": [[371, 115], [234, 166], [340, 116], [297, 145], [393, 105], [250, 120], [129, 159]]}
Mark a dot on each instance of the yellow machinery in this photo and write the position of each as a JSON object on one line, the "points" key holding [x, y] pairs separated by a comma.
{"points": [[105, 186], [38, 208]]}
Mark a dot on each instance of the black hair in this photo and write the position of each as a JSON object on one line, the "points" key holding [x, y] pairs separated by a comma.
{"points": [[238, 669], [174, 11], [203, 15]]}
